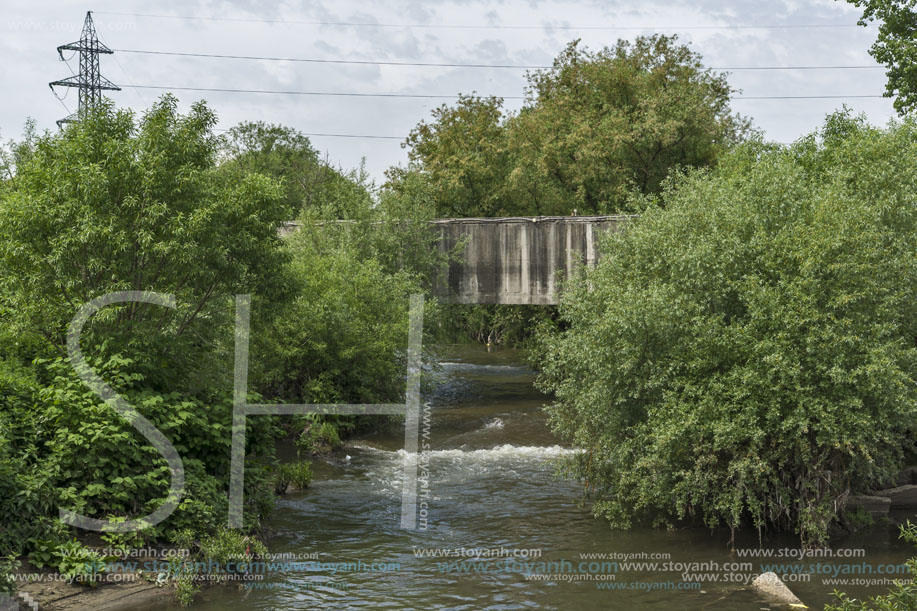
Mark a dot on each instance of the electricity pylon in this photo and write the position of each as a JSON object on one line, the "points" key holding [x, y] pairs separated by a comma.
{"points": [[89, 81]]}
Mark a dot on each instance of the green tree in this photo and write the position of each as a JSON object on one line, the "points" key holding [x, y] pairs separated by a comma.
{"points": [[463, 152], [309, 183], [343, 338], [745, 352], [111, 204], [601, 125], [595, 128], [896, 46]]}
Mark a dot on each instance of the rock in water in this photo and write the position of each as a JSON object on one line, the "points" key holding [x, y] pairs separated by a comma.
{"points": [[902, 497], [769, 583]]}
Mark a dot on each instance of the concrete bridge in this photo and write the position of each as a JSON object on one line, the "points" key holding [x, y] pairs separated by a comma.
{"points": [[514, 260], [517, 260]]}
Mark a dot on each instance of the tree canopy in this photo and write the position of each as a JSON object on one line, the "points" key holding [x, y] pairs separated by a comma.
{"points": [[896, 46], [595, 128], [160, 203], [112, 203], [309, 183]]}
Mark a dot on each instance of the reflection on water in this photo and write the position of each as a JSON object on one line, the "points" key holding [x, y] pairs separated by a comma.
{"points": [[492, 485]]}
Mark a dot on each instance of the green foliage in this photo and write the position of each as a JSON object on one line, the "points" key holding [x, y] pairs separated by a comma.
{"points": [[858, 520], [44, 552], [464, 154], [104, 467], [896, 46], [227, 545], [296, 474], [344, 337], [746, 351], [27, 484], [8, 567], [903, 597], [319, 436], [600, 126], [112, 204], [595, 128], [309, 184], [493, 325], [398, 233], [124, 541], [76, 562], [186, 590]]}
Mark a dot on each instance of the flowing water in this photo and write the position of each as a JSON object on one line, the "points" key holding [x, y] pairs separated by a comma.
{"points": [[493, 486]]}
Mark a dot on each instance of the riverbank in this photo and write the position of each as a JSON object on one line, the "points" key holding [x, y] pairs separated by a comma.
{"points": [[132, 591]]}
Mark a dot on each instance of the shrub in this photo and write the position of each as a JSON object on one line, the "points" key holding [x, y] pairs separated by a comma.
{"points": [[76, 562], [297, 474], [228, 545], [319, 436], [747, 353]]}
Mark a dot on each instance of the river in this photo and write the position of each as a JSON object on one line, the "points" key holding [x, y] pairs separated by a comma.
{"points": [[493, 488]]}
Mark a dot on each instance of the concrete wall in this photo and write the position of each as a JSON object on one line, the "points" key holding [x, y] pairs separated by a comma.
{"points": [[517, 260]]}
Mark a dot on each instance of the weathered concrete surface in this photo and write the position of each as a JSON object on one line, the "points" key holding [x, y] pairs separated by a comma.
{"points": [[517, 260], [770, 584]]}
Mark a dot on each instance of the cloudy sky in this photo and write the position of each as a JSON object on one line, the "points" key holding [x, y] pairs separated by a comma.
{"points": [[728, 34]]}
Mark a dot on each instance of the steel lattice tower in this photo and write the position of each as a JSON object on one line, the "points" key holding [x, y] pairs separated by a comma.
{"points": [[89, 81]]}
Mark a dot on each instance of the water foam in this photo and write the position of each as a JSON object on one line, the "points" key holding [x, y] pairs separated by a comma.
{"points": [[456, 467], [498, 453]]}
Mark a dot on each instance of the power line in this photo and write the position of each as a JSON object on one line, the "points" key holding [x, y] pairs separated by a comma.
{"points": [[450, 65], [326, 135], [126, 75], [61, 100], [804, 97], [431, 96], [335, 61], [357, 136], [484, 27], [316, 93], [873, 67]]}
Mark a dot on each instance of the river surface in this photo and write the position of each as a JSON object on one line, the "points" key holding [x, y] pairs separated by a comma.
{"points": [[493, 486]]}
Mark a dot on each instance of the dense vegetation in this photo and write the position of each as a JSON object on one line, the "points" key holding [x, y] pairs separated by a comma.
{"points": [[745, 353], [162, 204], [594, 128]]}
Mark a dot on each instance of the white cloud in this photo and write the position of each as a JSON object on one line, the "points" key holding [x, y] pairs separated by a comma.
{"points": [[31, 33]]}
